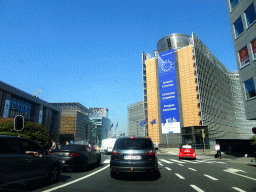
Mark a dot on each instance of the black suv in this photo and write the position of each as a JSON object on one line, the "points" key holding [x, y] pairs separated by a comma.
{"points": [[133, 154], [23, 160]]}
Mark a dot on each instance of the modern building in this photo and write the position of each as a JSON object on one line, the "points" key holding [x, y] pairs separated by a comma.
{"points": [[14, 102], [242, 17], [190, 96], [102, 124], [75, 124], [98, 112], [135, 116]]}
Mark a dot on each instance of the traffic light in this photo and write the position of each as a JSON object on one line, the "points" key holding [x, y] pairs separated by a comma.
{"points": [[254, 130], [18, 122]]}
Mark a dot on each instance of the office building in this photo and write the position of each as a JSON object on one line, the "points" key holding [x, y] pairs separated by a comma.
{"points": [[135, 115], [75, 124], [190, 96], [14, 102], [242, 17]]}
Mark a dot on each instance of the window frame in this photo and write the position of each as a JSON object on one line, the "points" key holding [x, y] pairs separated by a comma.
{"points": [[239, 57], [230, 5], [253, 57], [246, 20], [245, 92], [237, 36]]}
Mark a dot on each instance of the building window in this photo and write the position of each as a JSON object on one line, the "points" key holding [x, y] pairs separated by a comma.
{"points": [[233, 4], [250, 15], [169, 43], [249, 88], [238, 26], [253, 46], [244, 57]]}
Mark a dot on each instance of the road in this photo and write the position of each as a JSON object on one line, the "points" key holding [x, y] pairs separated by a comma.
{"points": [[204, 174]]}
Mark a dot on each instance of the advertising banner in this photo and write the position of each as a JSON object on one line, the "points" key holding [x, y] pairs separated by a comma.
{"points": [[253, 44], [170, 120], [244, 57]]}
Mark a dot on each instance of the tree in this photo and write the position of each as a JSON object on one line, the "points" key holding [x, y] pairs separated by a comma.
{"points": [[34, 131], [253, 142]]}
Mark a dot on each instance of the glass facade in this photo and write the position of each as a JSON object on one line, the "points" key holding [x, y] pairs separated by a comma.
{"points": [[20, 107], [250, 15], [233, 4], [238, 26], [135, 114], [249, 88]]}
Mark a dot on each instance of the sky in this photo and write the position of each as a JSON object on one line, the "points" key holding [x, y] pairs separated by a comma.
{"points": [[90, 51]]}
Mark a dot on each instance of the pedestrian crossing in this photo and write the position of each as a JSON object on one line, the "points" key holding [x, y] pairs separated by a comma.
{"points": [[182, 161]]}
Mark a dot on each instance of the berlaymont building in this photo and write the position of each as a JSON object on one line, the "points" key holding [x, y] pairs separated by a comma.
{"points": [[191, 97]]}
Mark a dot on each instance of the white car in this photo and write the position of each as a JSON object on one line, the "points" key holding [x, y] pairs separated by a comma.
{"points": [[107, 145]]}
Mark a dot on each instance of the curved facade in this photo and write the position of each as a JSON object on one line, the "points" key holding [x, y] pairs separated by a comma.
{"points": [[208, 93]]}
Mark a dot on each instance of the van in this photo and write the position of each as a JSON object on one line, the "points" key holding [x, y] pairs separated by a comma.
{"points": [[107, 145]]}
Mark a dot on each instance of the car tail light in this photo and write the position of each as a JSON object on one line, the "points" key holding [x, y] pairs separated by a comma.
{"points": [[73, 154], [132, 137], [52, 153], [114, 152], [151, 152]]}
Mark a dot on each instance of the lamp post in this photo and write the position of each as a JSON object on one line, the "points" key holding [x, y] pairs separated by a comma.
{"points": [[137, 127]]}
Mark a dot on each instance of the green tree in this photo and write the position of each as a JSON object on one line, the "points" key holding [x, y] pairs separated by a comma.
{"points": [[253, 142], [34, 131]]}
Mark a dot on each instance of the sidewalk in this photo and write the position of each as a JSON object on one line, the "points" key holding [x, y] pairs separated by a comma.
{"points": [[210, 152]]}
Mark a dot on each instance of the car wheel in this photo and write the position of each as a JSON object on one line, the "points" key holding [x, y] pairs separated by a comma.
{"points": [[85, 164], [99, 160], [54, 174]]}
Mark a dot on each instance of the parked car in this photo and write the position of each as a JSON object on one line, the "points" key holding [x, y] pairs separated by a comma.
{"points": [[187, 151], [22, 160], [133, 154], [107, 145], [77, 156]]}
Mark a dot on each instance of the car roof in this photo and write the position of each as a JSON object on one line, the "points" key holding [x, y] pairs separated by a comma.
{"points": [[134, 137]]}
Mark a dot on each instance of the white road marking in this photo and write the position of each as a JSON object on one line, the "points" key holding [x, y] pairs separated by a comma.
{"points": [[233, 171], [177, 161], [71, 182], [160, 164], [192, 169], [107, 161], [236, 188], [166, 161], [179, 176], [221, 162], [197, 188], [191, 161], [168, 168], [210, 177], [180, 164]]}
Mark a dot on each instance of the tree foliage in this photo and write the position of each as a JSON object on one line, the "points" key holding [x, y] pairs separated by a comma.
{"points": [[34, 131]]}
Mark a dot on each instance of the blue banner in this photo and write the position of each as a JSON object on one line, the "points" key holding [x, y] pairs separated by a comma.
{"points": [[168, 93]]}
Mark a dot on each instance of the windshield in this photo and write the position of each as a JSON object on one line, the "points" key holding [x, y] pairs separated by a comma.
{"points": [[133, 144]]}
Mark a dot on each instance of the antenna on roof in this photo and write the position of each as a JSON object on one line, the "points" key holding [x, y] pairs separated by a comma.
{"points": [[37, 92]]}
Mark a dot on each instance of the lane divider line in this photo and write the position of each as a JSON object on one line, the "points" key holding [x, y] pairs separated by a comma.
{"points": [[168, 168], [179, 176], [197, 188], [210, 177], [71, 182], [240, 190], [192, 169]]}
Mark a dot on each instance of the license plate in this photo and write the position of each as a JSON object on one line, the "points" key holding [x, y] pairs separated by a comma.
{"points": [[62, 161], [187, 151], [132, 157]]}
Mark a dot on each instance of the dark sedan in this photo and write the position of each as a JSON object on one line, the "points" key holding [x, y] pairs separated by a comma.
{"points": [[77, 156]]}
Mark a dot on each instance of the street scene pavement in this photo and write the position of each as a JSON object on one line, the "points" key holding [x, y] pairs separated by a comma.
{"points": [[240, 158]]}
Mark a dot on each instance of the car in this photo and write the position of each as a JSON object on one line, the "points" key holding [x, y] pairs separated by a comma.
{"points": [[22, 161], [77, 156], [85, 142], [187, 151], [133, 154]]}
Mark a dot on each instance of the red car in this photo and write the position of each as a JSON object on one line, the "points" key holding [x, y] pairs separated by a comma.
{"points": [[186, 151]]}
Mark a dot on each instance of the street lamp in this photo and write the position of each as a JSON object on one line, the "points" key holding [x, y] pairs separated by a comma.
{"points": [[137, 126]]}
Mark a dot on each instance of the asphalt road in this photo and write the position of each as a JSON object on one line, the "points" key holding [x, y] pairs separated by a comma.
{"points": [[203, 174]]}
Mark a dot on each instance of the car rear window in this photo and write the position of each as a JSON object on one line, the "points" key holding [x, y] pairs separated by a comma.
{"points": [[186, 147], [74, 147], [133, 144]]}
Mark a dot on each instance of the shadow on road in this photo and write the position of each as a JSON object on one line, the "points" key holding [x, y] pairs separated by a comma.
{"points": [[139, 176]]}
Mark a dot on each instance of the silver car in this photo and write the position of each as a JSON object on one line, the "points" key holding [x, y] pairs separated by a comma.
{"points": [[133, 154]]}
